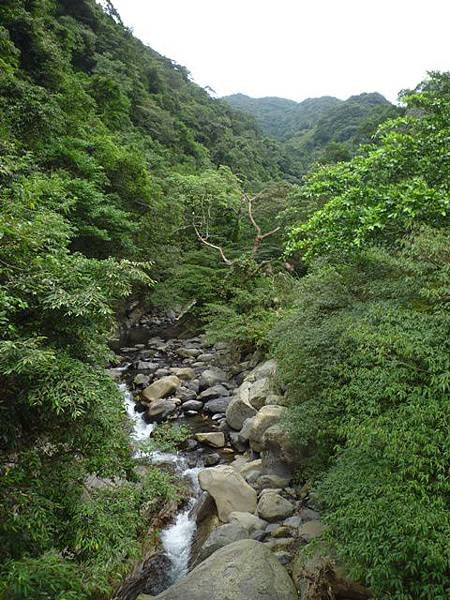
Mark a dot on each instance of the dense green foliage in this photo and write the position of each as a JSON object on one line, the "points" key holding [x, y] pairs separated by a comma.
{"points": [[117, 172], [325, 130], [365, 351], [108, 150]]}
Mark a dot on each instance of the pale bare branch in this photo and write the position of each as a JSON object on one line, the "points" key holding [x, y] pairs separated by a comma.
{"points": [[204, 241]]}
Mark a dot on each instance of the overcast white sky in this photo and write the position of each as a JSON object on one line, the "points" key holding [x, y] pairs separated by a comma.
{"points": [[297, 48]]}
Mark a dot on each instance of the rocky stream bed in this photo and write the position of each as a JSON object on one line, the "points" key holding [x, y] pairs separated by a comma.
{"points": [[236, 535]]}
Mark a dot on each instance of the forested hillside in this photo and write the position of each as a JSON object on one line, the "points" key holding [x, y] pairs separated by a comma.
{"points": [[123, 181], [322, 129]]}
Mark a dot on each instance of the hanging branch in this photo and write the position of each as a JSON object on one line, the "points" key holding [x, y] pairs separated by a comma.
{"points": [[260, 236]]}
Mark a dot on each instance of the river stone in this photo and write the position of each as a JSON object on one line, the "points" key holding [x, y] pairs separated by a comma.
{"points": [[211, 377], [144, 365], [215, 391], [258, 392], [188, 352], [159, 409], [307, 514], [243, 570], [273, 507], [160, 389], [222, 536], [218, 405], [210, 460], [192, 405], [240, 408], [249, 522], [141, 379], [185, 373], [265, 418], [272, 480], [216, 439], [185, 394], [229, 489]]}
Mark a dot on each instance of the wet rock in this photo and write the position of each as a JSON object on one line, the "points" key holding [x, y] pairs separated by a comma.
{"points": [[211, 377], [215, 391], [160, 388], [218, 405], [240, 408], [229, 489], [273, 507], [216, 439], [243, 570], [204, 507]]}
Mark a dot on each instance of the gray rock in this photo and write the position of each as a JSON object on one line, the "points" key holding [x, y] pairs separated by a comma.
{"points": [[215, 391], [141, 379], [184, 394], [265, 418], [273, 507], [216, 439], [222, 536], [307, 514], [258, 392], [210, 460], [229, 489], [160, 388], [211, 377], [278, 454], [240, 408], [147, 366], [271, 481], [249, 522], [218, 405], [160, 409], [243, 570], [266, 369], [192, 405], [293, 522], [310, 531]]}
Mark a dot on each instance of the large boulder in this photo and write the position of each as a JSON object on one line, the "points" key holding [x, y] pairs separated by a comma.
{"points": [[266, 369], [240, 408], [160, 389], [212, 377], [258, 392], [265, 418], [229, 489], [222, 536], [243, 570], [273, 507], [278, 454], [251, 471]]}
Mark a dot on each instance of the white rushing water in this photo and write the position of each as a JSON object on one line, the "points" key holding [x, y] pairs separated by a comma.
{"points": [[177, 538]]}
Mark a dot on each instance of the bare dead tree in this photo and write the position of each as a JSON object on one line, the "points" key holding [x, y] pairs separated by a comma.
{"points": [[259, 237]]}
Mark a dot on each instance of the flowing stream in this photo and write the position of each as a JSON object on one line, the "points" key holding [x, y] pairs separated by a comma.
{"points": [[177, 538]]}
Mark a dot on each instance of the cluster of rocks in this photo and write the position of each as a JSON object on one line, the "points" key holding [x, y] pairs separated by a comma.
{"points": [[249, 503]]}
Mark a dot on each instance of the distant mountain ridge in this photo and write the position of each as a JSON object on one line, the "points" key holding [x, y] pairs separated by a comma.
{"points": [[283, 118], [323, 129]]}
